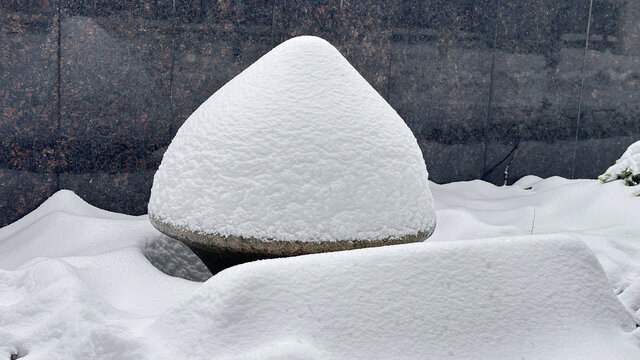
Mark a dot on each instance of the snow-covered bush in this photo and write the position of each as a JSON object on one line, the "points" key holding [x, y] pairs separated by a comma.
{"points": [[626, 168]]}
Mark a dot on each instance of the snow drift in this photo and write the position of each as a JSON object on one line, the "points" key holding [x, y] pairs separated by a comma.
{"points": [[77, 282], [539, 297], [298, 147]]}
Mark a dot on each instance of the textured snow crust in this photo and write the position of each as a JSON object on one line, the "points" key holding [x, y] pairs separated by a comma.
{"points": [[297, 147], [627, 167]]}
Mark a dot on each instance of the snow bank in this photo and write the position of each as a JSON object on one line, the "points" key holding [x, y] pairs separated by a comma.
{"points": [[75, 282], [627, 167], [98, 296], [535, 298], [65, 225], [298, 147], [604, 216]]}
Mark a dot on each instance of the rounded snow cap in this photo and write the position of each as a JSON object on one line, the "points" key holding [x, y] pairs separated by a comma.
{"points": [[297, 149]]}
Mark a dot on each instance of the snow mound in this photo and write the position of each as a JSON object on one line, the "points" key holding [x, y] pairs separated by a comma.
{"points": [[298, 147], [65, 225], [533, 297], [53, 230], [604, 216], [626, 168], [75, 284], [65, 201], [544, 297]]}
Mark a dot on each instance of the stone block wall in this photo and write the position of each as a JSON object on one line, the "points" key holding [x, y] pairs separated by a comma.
{"points": [[92, 92]]}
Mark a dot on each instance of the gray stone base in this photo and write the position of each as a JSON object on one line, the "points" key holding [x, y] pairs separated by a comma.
{"points": [[220, 252]]}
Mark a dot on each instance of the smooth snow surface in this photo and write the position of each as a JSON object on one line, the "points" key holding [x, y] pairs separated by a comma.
{"points": [[87, 288], [627, 166], [297, 147], [539, 297], [75, 282]]}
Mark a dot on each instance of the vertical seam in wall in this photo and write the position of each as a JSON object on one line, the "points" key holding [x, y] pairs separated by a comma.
{"points": [[584, 65], [486, 122], [489, 106], [174, 34], [56, 168], [273, 23], [389, 67]]}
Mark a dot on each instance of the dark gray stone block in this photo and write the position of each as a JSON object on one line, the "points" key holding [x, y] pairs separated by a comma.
{"points": [[115, 84], [28, 85], [22, 192], [120, 192]]}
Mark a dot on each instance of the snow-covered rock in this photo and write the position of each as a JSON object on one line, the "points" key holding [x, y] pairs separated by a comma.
{"points": [[297, 148], [626, 168], [541, 297]]}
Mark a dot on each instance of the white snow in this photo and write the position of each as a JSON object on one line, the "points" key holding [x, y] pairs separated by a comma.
{"points": [[87, 289], [627, 166], [75, 282], [296, 147], [604, 216], [541, 297]]}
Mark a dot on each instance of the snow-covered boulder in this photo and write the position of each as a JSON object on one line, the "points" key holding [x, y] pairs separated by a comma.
{"points": [[626, 168], [297, 154], [541, 297]]}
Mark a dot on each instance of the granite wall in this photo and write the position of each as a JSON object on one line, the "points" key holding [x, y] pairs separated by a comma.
{"points": [[91, 92]]}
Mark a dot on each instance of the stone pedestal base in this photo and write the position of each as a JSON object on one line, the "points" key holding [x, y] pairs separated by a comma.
{"points": [[220, 252]]}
